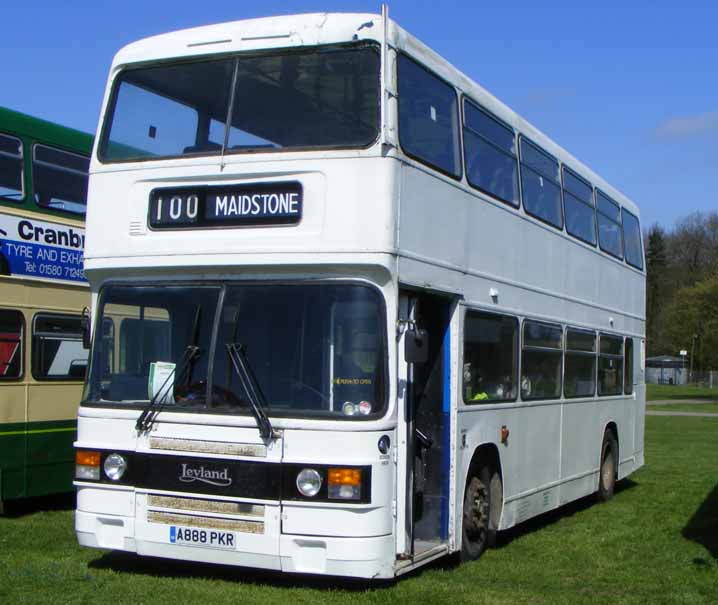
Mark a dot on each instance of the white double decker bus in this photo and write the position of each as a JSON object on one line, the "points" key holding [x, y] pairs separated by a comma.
{"points": [[351, 313]]}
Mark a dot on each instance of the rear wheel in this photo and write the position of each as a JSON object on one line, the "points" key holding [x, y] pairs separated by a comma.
{"points": [[607, 473], [482, 505]]}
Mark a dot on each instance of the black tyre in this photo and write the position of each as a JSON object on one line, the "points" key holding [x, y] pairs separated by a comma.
{"points": [[482, 506], [609, 464]]}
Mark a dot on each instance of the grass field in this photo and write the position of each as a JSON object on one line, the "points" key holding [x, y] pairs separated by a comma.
{"points": [[707, 407], [655, 392], [655, 542]]}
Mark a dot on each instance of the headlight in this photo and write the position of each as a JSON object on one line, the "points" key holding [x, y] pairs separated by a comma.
{"points": [[115, 466], [309, 482]]}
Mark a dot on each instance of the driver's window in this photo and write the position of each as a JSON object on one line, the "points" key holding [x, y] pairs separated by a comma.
{"points": [[356, 343]]}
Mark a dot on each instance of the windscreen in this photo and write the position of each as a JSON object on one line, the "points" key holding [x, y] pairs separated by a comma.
{"points": [[327, 97], [316, 350]]}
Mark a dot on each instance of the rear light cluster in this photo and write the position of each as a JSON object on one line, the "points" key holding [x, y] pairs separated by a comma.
{"points": [[87, 466]]}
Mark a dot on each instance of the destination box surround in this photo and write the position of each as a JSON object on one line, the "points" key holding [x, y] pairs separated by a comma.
{"points": [[226, 206]]}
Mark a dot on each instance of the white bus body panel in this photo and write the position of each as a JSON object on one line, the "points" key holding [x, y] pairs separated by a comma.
{"points": [[377, 215], [348, 539]]}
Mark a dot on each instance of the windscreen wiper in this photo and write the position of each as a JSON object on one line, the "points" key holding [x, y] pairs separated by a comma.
{"points": [[149, 414], [257, 400]]}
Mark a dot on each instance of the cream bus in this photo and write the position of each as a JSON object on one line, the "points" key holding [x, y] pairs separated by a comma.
{"points": [[369, 315], [43, 192]]}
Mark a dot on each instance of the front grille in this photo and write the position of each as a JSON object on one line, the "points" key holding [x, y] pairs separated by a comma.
{"points": [[208, 447], [206, 506], [240, 525]]}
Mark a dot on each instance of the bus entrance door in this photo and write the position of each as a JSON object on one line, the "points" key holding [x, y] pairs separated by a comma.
{"points": [[428, 426]]}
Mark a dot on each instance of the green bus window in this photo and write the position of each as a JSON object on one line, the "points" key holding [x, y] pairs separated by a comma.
{"points": [[11, 349], [57, 351], [11, 168], [541, 361], [59, 179], [490, 358]]}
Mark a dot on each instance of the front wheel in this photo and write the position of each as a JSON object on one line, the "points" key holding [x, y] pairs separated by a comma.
{"points": [[607, 473], [482, 504]]}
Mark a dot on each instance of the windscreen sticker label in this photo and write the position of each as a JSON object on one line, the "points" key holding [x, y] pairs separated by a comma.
{"points": [[41, 249]]}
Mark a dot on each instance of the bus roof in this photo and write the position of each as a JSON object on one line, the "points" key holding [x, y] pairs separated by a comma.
{"points": [[332, 28], [42, 130]]}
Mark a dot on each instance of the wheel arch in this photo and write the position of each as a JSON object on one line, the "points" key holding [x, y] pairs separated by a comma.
{"points": [[487, 454]]}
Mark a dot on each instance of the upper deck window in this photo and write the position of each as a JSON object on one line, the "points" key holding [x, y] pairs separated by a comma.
{"points": [[540, 184], [632, 240], [323, 98], [490, 155], [609, 225], [59, 179], [11, 168], [578, 207], [428, 118]]}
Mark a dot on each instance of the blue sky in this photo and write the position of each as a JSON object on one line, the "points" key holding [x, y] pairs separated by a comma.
{"points": [[630, 88]]}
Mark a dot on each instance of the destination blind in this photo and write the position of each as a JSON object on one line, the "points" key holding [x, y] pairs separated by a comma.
{"points": [[227, 206]]}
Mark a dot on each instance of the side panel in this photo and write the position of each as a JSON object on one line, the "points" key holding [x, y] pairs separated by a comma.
{"points": [[12, 458], [51, 431], [50, 457]]}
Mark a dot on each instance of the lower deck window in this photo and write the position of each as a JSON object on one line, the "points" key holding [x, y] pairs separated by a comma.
{"points": [[580, 372], [57, 350], [610, 365], [11, 350], [541, 361], [628, 374], [490, 356]]}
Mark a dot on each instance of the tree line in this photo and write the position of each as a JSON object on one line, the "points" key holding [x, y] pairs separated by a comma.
{"points": [[682, 289]]}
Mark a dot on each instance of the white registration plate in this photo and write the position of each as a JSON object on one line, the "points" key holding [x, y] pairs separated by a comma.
{"points": [[209, 538]]}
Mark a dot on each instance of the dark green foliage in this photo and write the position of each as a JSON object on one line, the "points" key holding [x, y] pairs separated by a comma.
{"points": [[655, 284], [681, 267], [690, 322]]}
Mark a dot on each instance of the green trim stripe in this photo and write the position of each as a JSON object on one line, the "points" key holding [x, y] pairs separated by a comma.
{"points": [[38, 431], [37, 427]]}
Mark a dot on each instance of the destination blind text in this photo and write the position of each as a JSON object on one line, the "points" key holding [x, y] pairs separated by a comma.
{"points": [[265, 204]]}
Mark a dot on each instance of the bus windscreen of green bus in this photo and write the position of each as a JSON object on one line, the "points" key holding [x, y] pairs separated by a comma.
{"points": [[324, 98]]}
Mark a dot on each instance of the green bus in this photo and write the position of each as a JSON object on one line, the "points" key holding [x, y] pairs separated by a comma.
{"points": [[43, 193]]}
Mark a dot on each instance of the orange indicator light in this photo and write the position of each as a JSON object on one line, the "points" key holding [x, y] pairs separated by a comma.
{"points": [[86, 458], [344, 476]]}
